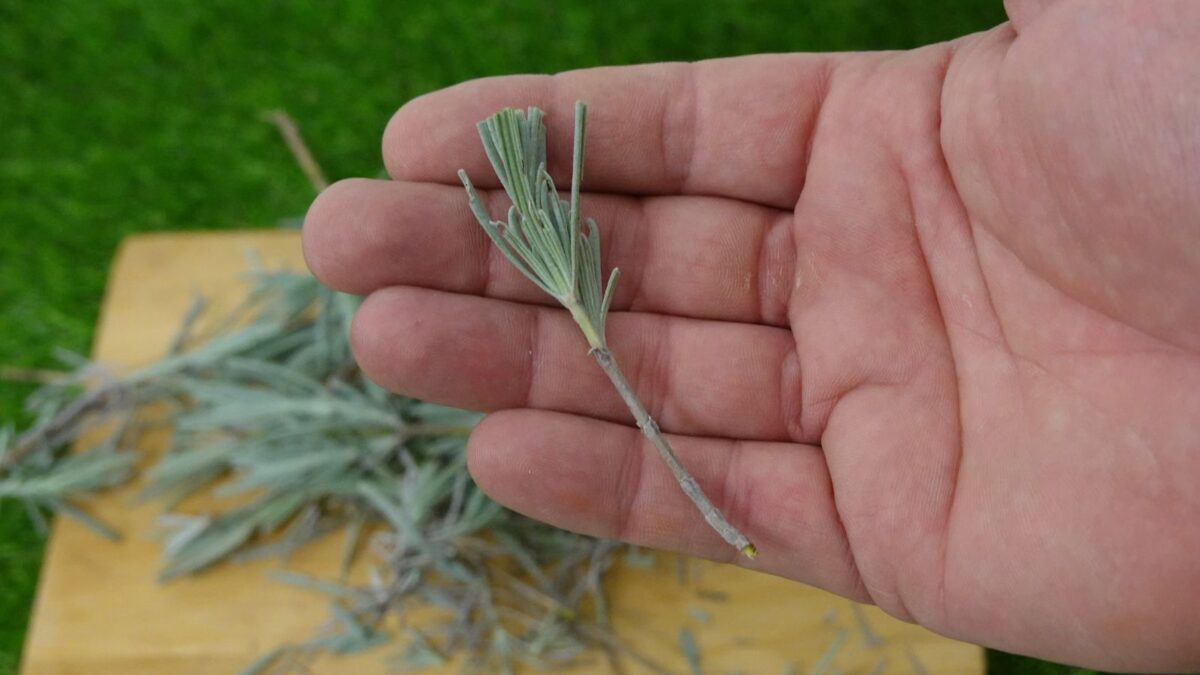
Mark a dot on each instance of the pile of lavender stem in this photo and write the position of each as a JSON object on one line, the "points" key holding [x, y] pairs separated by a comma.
{"points": [[270, 406]]}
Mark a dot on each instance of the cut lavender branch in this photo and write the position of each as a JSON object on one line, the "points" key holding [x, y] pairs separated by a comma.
{"points": [[545, 240], [268, 403]]}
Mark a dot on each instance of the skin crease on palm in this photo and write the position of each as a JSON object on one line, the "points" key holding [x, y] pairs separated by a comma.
{"points": [[925, 325]]}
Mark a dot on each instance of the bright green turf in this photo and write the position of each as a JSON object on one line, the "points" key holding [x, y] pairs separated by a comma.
{"points": [[136, 115]]}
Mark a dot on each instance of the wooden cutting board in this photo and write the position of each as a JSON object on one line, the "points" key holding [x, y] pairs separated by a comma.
{"points": [[99, 610]]}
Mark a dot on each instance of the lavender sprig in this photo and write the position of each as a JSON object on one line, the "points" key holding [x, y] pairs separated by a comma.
{"points": [[544, 240]]}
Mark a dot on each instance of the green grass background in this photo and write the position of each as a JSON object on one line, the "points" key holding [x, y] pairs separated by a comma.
{"points": [[127, 116]]}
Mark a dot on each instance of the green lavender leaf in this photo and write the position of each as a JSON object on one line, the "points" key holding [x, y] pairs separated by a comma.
{"points": [[263, 664]]}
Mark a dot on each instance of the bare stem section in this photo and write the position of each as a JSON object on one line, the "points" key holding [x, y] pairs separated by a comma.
{"points": [[687, 482]]}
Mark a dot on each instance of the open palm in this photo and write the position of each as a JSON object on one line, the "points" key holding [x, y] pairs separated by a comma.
{"points": [[925, 325]]}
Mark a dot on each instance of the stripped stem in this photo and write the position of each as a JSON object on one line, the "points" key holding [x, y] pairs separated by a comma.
{"points": [[608, 363]]}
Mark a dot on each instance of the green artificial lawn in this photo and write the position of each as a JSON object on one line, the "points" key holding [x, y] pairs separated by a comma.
{"points": [[137, 115]]}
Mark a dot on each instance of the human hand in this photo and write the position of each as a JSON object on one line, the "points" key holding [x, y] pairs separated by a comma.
{"points": [[925, 325]]}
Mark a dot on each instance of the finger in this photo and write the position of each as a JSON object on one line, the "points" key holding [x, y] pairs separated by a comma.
{"points": [[691, 256], [695, 377], [1024, 12], [605, 480], [730, 127]]}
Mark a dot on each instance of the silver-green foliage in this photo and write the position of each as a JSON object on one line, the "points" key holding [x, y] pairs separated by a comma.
{"points": [[268, 407], [543, 236]]}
